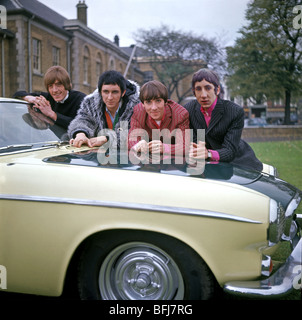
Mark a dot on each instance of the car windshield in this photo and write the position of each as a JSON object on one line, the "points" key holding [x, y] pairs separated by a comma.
{"points": [[23, 126]]}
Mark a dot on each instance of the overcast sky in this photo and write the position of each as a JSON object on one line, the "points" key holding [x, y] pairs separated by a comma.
{"points": [[213, 18]]}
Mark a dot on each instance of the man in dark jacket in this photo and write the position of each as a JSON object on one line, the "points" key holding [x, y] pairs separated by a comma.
{"points": [[223, 122], [59, 103]]}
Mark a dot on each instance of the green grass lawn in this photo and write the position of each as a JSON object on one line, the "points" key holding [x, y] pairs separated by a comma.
{"points": [[286, 156]]}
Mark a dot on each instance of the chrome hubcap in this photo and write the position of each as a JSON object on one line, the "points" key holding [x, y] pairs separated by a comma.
{"points": [[140, 271]]}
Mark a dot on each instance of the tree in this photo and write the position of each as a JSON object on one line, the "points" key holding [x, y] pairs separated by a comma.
{"points": [[250, 71], [174, 55], [267, 60]]}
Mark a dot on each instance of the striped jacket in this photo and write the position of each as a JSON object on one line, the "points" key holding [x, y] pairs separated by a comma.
{"points": [[224, 132], [91, 117], [175, 117]]}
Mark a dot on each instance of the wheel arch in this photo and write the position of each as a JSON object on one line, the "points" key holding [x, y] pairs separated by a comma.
{"points": [[71, 271]]}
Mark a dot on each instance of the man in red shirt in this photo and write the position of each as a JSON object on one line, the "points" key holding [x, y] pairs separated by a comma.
{"points": [[158, 124]]}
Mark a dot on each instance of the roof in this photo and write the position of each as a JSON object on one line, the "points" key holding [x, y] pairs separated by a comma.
{"points": [[139, 52], [55, 20], [36, 8]]}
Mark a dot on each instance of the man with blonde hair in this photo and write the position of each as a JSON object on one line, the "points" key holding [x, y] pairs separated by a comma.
{"points": [[60, 103]]}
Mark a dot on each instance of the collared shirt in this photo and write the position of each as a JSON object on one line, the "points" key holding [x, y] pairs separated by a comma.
{"points": [[66, 97], [112, 120], [208, 112], [157, 123], [207, 115]]}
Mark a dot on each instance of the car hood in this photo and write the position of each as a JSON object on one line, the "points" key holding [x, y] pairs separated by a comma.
{"points": [[268, 185]]}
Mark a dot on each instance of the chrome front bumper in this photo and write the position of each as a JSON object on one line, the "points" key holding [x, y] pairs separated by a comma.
{"points": [[286, 279]]}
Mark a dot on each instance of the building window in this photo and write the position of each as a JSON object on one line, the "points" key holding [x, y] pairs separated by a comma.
{"points": [[148, 76], [86, 66], [37, 55], [55, 56], [98, 67], [112, 64], [121, 68]]}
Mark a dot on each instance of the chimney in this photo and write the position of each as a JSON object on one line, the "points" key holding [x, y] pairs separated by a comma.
{"points": [[117, 40], [82, 11]]}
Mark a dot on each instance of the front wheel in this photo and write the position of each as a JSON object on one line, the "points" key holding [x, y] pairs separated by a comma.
{"points": [[138, 265]]}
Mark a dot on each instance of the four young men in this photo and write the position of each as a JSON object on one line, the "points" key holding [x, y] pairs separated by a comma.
{"points": [[155, 124]]}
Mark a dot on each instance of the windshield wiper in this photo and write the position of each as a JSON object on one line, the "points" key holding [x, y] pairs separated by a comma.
{"points": [[16, 147], [19, 147]]}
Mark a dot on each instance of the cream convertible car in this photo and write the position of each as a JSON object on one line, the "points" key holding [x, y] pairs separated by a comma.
{"points": [[134, 230]]}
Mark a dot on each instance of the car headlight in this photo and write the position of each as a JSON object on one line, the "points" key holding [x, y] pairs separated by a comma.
{"points": [[277, 222], [282, 226], [290, 227]]}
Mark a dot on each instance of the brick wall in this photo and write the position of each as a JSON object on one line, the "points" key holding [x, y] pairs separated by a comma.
{"points": [[48, 41], [272, 133]]}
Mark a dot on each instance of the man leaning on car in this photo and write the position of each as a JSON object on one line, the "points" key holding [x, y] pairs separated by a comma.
{"points": [[106, 108], [60, 103]]}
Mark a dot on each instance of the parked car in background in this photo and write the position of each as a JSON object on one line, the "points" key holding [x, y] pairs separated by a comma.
{"points": [[120, 228], [255, 122]]}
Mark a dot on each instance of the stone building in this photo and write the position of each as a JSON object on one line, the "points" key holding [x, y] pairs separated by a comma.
{"points": [[36, 37]]}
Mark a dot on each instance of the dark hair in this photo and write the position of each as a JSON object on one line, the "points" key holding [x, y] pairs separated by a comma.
{"points": [[55, 73], [208, 75], [153, 90], [112, 77]]}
